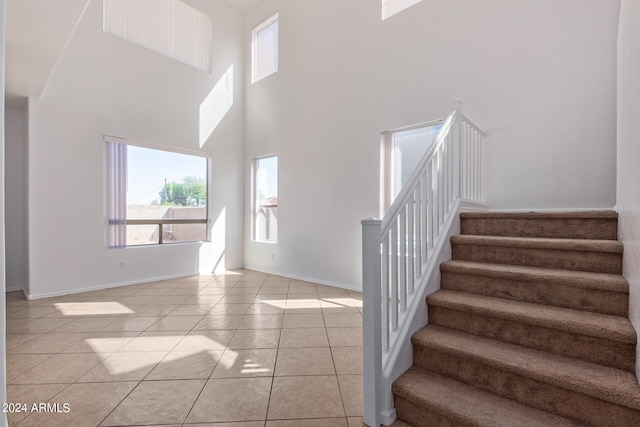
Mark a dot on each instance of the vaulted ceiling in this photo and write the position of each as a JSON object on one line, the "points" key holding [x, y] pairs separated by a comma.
{"points": [[243, 5], [37, 33]]}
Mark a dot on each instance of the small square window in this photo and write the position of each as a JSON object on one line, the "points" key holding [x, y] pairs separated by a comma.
{"points": [[264, 49]]}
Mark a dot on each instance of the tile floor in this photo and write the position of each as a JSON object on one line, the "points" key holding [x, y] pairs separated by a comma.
{"points": [[243, 349]]}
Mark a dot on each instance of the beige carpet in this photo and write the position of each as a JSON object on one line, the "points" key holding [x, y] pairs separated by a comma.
{"points": [[529, 328]]}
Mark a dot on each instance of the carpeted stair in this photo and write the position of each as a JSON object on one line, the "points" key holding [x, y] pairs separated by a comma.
{"points": [[529, 328]]}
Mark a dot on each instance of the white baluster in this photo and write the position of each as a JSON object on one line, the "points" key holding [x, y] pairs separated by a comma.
{"points": [[479, 173], [394, 276], [419, 219], [385, 292], [411, 252], [431, 211], [403, 237]]}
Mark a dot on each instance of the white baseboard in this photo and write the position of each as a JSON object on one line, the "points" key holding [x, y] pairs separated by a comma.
{"points": [[326, 283], [466, 206], [108, 286], [179, 276], [308, 279], [221, 272]]}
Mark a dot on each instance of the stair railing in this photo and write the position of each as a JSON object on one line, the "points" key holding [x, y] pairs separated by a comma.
{"points": [[399, 252]]}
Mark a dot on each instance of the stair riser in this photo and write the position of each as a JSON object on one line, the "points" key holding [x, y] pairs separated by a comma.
{"points": [[424, 399], [539, 292], [560, 228], [592, 349], [598, 262], [540, 395], [417, 415]]}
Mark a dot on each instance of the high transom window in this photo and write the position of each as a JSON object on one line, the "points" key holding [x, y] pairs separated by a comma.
{"points": [[264, 49], [391, 7], [169, 27]]}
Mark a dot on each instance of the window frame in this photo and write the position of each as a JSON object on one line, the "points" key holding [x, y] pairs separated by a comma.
{"points": [[116, 239], [254, 197], [387, 161], [255, 47], [172, 28]]}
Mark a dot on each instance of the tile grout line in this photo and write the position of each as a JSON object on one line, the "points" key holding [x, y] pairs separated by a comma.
{"points": [[25, 371], [48, 400], [300, 293], [118, 404], [335, 369], [139, 382], [151, 370], [127, 395], [275, 363], [210, 374]]}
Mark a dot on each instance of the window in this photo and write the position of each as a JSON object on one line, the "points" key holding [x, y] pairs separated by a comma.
{"points": [[391, 7], [402, 151], [264, 49], [265, 199], [169, 27], [155, 196]]}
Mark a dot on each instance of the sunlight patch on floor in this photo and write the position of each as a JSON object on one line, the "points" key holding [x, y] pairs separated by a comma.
{"points": [[91, 308]]}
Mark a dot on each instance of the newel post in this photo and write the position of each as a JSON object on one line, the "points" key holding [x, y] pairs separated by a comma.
{"points": [[372, 321], [456, 132]]}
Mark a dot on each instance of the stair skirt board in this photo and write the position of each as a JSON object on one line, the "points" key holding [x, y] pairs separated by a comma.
{"points": [[529, 327]]}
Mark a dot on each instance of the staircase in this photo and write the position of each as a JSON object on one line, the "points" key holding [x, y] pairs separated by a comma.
{"points": [[529, 328]]}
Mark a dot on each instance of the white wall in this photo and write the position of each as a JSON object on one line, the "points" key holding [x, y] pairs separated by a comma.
{"points": [[105, 85], [15, 190], [538, 76], [628, 197], [3, 341]]}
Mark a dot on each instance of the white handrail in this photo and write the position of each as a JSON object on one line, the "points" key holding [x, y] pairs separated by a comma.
{"points": [[398, 203], [399, 252], [414, 126]]}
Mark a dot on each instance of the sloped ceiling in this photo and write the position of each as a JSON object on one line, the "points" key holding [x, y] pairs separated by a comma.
{"points": [[37, 33], [243, 5]]}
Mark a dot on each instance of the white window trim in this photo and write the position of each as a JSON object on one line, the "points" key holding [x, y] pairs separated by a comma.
{"points": [[254, 48], [145, 144]]}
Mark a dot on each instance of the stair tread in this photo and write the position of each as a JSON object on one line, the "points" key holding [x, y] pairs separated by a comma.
{"points": [[582, 279], [587, 245], [609, 384], [599, 325], [470, 404], [608, 214]]}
